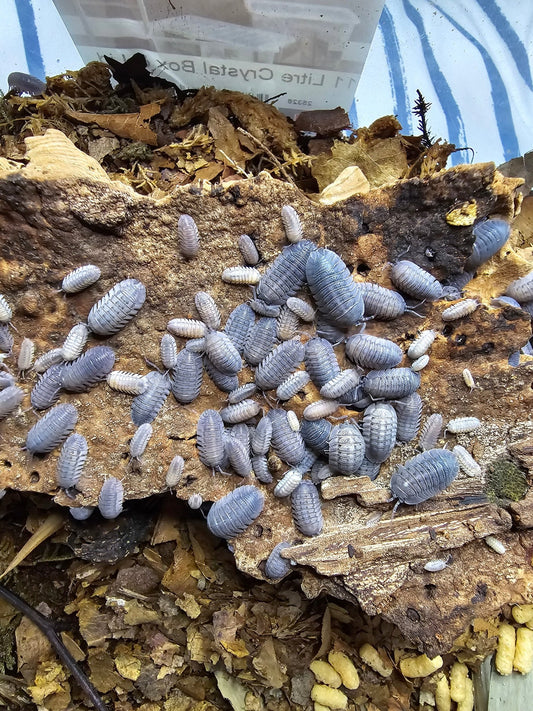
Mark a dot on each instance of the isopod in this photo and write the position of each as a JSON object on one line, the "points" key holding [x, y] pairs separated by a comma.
{"points": [[23, 83], [195, 501], [288, 444], [434, 566], [242, 432], [415, 281], [186, 380], [316, 434], [320, 408], [196, 345], [140, 439], [321, 361], [373, 352], [306, 509], [391, 383], [169, 351], [292, 385], [124, 382], [277, 567], [241, 275], [287, 484], [466, 461], [80, 278], [222, 353], [187, 328], [188, 237], [294, 422], [346, 448], [337, 295], [210, 439], [10, 399], [6, 339], [25, 359], [75, 342], [287, 324], [430, 433], [240, 412], [301, 308], [260, 469], [320, 472], [71, 461], [243, 392], [490, 236], [420, 363], [279, 364], [145, 407], [248, 250], [111, 498], [223, 381], [261, 339], [90, 368], [521, 289], [502, 301], [52, 429], [381, 303], [233, 513], [239, 457], [116, 308], [291, 223], [496, 545], [262, 436], [207, 308], [341, 384], [379, 431], [239, 323], [175, 471], [6, 380], [6, 312], [52, 357], [463, 424], [459, 310], [514, 359], [408, 411], [369, 469], [47, 389], [81, 513], [469, 379], [421, 345], [261, 308], [423, 476], [286, 274]]}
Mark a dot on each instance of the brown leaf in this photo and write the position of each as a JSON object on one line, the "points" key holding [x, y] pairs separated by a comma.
{"points": [[267, 664], [227, 145], [133, 126]]}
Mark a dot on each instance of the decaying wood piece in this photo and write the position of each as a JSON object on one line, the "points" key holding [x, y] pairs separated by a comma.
{"points": [[53, 221]]}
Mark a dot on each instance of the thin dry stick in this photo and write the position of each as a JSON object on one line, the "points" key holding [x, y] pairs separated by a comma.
{"points": [[268, 152]]}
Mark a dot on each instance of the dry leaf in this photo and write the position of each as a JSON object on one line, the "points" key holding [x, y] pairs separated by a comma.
{"points": [[227, 145], [133, 126], [51, 525], [231, 689], [267, 664]]}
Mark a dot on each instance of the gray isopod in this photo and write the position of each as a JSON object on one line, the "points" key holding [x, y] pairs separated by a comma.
{"points": [[244, 276], [466, 461], [423, 476], [239, 457], [243, 392], [52, 357], [306, 509], [169, 351], [286, 443], [111, 498], [239, 323], [277, 567], [242, 432], [248, 250], [25, 359], [6, 339], [459, 310], [286, 274], [81, 513], [369, 469], [346, 448], [391, 383], [287, 484], [320, 408], [187, 328], [514, 359], [260, 468], [261, 308], [336, 294], [188, 237], [382, 303], [71, 461], [207, 308], [140, 439], [233, 513], [503, 301], [373, 352], [315, 434], [52, 429], [210, 439], [521, 289], [222, 353], [279, 364], [262, 436], [196, 345], [431, 431], [186, 380], [75, 342], [80, 279], [380, 424], [463, 424], [421, 345], [415, 281], [288, 324], [301, 308], [10, 399], [291, 223], [490, 236], [175, 471], [240, 412], [321, 361], [6, 379], [116, 308], [320, 471], [90, 368], [130, 383], [342, 383], [261, 339], [409, 412], [332, 332], [145, 407], [223, 381], [292, 385], [6, 312], [47, 389], [307, 462]]}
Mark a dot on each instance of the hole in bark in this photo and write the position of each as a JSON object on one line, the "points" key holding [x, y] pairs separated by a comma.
{"points": [[447, 330], [34, 477], [363, 268], [460, 339], [487, 348], [7, 463]]}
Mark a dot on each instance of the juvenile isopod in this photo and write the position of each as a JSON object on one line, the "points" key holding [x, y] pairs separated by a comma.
{"points": [[71, 461], [306, 509], [47, 389], [80, 278], [291, 223], [463, 424], [279, 364], [241, 275], [496, 545], [243, 392], [130, 383], [420, 363], [239, 457], [391, 383], [186, 381], [277, 567], [145, 407], [52, 357], [286, 274], [423, 476], [294, 422], [233, 513], [292, 385], [187, 328], [240, 412], [261, 308], [89, 369], [116, 308], [521, 289], [111, 498], [466, 461], [195, 501], [188, 237], [430, 433], [10, 399], [238, 325], [169, 351], [490, 236], [175, 471], [81, 513], [346, 448], [52, 429], [320, 408], [287, 324], [415, 281], [248, 250], [434, 566], [261, 469], [210, 439], [207, 308], [75, 342], [408, 411], [320, 472], [336, 294], [459, 310], [6, 312], [469, 379], [287, 484], [380, 425], [222, 353], [25, 359], [140, 440], [373, 352], [301, 308], [381, 303], [262, 436], [421, 345]]}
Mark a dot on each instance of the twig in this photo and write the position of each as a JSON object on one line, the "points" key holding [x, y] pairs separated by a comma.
{"points": [[268, 152], [62, 652]]}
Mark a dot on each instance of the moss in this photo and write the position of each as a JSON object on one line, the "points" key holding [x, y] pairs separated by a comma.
{"points": [[133, 152], [505, 481]]}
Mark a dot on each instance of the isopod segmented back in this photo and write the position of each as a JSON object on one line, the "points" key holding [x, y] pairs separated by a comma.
{"points": [[233, 513], [116, 308]]}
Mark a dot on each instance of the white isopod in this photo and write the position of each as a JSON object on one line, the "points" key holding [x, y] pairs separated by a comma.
{"points": [[496, 545], [188, 237], [140, 439], [75, 342], [459, 310], [6, 313], [469, 379], [288, 483], [195, 501], [294, 422], [241, 275], [291, 223], [187, 328], [25, 359], [420, 363], [421, 345], [124, 382], [175, 471], [463, 424], [320, 408], [466, 461]]}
